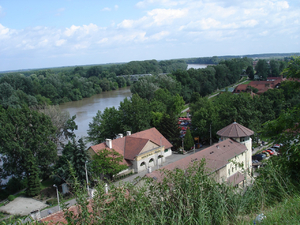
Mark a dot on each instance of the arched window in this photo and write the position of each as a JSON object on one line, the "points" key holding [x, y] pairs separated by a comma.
{"points": [[143, 164], [151, 160]]}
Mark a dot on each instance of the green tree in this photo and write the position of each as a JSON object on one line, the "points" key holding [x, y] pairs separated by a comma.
{"points": [[274, 67], [23, 131], [135, 114], [250, 72], [107, 163], [105, 125], [33, 181], [144, 87], [262, 69], [168, 127], [188, 140], [76, 154]]}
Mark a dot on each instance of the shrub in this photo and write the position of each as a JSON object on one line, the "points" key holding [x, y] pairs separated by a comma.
{"points": [[11, 197], [51, 201], [15, 184]]}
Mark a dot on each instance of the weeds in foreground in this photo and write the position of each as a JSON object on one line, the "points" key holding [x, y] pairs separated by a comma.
{"points": [[182, 197]]}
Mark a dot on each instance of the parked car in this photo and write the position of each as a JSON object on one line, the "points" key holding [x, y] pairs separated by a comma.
{"points": [[271, 152], [274, 150], [266, 153], [258, 157]]}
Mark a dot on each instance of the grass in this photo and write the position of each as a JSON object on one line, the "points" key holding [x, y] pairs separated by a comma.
{"points": [[285, 212]]}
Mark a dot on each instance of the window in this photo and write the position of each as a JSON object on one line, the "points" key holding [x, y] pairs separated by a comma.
{"points": [[166, 150], [143, 164], [232, 169], [228, 172]]}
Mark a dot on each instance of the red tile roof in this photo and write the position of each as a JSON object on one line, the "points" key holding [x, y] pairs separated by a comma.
{"points": [[216, 157], [133, 146], [130, 146], [235, 130]]}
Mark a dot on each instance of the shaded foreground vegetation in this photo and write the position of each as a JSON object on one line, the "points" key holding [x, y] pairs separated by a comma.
{"points": [[183, 197]]}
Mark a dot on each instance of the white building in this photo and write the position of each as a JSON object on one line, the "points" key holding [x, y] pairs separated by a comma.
{"points": [[141, 150]]}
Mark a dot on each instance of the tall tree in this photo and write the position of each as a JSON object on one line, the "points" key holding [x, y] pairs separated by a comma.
{"points": [[25, 131], [250, 72], [105, 125], [262, 69], [168, 127], [188, 140], [76, 154]]}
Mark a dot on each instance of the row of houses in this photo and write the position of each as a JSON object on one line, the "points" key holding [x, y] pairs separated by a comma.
{"points": [[262, 86], [149, 149]]}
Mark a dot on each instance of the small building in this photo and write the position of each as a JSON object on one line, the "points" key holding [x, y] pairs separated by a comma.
{"points": [[227, 161], [141, 150]]}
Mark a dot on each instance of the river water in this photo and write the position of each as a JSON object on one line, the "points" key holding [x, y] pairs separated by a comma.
{"points": [[87, 108]]}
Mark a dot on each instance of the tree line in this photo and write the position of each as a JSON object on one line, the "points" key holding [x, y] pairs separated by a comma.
{"points": [[47, 87]]}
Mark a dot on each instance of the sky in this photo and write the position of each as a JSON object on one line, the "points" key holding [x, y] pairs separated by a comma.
{"points": [[55, 33]]}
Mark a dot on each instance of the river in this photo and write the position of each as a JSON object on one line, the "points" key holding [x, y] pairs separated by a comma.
{"points": [[197, 66], [87, 108]]}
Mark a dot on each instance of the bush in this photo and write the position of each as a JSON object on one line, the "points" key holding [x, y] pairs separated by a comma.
{"points": [[15, 184], [51, 201], [11, 197]]}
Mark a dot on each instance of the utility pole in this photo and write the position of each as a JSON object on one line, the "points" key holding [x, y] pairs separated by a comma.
{"points": [[210, 134]]}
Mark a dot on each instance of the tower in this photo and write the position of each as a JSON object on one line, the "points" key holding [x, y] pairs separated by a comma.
{"points": [[242, 135]]}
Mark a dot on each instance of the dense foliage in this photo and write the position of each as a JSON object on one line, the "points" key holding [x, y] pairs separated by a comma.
{"points": [[75, 155], [49, 87], [106, 164]]}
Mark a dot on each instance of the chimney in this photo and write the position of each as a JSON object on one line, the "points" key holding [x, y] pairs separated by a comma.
{"points": [[108, 143], [128, 133], [120, 135]]}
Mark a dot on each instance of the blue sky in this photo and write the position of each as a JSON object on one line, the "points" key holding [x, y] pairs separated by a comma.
{"points": [[52, 33]]}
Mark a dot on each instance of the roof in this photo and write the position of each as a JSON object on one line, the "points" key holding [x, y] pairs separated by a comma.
{"points": [[235, 130], [236, 178], [130, 146], [216, 157]]}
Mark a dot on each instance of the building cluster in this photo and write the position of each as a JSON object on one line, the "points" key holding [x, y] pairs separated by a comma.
{"points": [[229, 160]]}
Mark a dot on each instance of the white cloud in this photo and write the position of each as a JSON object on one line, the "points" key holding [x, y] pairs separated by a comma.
{"points": [[70, 31], [163, 23], [60, 42], [160, 35], [2, 13], [166, 16], [168, 3], [106, 9], [116, 7]]}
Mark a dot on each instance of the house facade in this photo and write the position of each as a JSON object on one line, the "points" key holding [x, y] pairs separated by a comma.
{"points": [[140, 151], [227, 161]]}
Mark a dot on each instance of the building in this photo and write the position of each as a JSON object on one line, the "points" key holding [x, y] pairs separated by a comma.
{"points": [[141, 150], [227, 161], [261, 86]]}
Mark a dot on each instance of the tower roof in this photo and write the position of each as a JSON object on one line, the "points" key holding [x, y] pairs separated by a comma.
{"points": [[235, 130]]}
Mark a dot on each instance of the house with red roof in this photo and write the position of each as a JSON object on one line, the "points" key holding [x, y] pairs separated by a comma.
{"points": [[227, 161], [261, 86], [141, 150]]}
